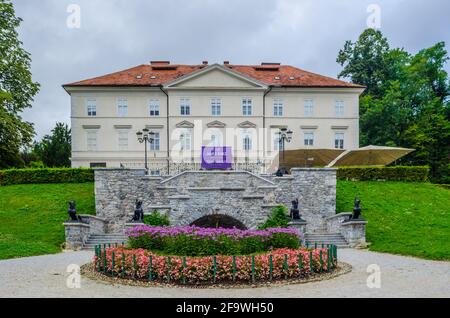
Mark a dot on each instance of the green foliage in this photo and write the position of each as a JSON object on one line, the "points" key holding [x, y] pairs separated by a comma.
{"points": [[364, 61], [55, 149], [404, 218], [48, 175], [278, 218], [396, 173], [156, 219], [37, 165], [17, 89], [406, 103], [186, 245], [31, 216]]}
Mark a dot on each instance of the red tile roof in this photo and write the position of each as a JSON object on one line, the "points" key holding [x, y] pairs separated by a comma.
{"points": [[161, 74]]}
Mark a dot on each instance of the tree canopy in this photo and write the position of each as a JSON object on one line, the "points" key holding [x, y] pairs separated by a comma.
{"points": [[17, 89], [406, 102], [54, 150]]}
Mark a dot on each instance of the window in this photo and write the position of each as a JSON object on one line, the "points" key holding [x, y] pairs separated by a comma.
{"points": [[122, 107], [277, 107], [339, 108], [216, 105], [154, 107], [309, 138], [185, 140], [339, 140], [309, 107], [123, 139], [91, 140], [185, 106], [91, 107], [246, 107], [155, 145], [247, 143]]}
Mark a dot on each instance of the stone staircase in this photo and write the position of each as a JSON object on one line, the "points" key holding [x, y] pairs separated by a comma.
{"points": [[326, 238], [101, 239]]}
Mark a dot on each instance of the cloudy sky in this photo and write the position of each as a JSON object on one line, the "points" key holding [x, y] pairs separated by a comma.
{"points": [[117, 34]]}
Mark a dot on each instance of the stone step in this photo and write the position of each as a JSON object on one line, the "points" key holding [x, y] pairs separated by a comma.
{"points": [[326, 238], [108, 238], [107, 235], [105, 242]]}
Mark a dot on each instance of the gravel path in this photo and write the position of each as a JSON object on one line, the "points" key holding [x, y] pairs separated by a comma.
{"points": [[45, 276]]}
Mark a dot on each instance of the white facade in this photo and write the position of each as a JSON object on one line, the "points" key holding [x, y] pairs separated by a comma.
{"points": [[205, 108]]}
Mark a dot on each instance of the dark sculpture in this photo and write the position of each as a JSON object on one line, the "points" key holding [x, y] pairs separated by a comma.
{"points": [[73, 212], [281, 172], [356, 210], [295, 212], [138, 212]]}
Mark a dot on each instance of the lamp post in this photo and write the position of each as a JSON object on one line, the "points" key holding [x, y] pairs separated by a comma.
{"points": [[144, 137], [284, 135]]}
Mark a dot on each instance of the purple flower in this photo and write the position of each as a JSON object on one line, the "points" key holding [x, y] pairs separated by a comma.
{"points": [[198, 232]]}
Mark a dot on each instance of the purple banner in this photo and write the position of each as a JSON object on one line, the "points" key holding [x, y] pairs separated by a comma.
{"points": [[216, 158]]}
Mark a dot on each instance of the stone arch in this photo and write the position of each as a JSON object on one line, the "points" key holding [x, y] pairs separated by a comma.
{"points": [[219, 220]]}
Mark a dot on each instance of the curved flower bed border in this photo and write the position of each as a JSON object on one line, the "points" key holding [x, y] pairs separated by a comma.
{"points": [[143, 265]]}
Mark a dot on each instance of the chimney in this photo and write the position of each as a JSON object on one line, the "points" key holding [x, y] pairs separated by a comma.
{"points": [[226, 62], [205, 62], [159, 62]]}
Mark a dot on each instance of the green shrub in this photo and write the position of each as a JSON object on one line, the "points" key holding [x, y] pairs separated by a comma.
{"points": [[47, 175], [37, 165], [278, 218], [156, 219], [396, 173]]}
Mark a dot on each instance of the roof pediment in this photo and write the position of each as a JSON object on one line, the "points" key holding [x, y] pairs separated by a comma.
{"points": [[185, 124], [247, 124], [216, 124], [216, 76]]}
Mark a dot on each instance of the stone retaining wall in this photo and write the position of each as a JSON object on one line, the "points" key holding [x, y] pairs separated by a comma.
{"points": [[191, 195]]}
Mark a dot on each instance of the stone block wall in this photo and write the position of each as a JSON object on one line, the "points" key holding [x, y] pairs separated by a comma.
{"points": [[193, 194]]}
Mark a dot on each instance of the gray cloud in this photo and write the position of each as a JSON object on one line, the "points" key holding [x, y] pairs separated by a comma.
{"points": [[117, 34]]}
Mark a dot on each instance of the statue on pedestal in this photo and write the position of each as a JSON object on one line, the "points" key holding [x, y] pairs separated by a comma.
{"points": [[73, 212], [138, 213], [356, 210], [295, 212]]}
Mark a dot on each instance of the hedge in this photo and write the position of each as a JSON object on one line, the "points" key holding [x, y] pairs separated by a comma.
{"points": [[397, 173], [47, 175]]}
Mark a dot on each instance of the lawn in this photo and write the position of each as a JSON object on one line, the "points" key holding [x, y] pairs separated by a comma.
{"points": [[404, 218], [31, 216]]}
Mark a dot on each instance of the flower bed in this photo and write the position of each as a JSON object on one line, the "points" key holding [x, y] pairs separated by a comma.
{"points": [[141, 264], [196, 241]]}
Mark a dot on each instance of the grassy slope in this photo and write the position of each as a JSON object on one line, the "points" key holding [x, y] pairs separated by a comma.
{"points": [[31, 216], [404, 218]]}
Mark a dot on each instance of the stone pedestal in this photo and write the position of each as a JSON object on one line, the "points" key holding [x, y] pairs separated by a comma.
{"points": [[354, 232], [77, 234]]}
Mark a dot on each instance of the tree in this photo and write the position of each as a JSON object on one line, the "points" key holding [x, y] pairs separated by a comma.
{"points": [[365, 61], [406, 103], [17, 89], [54, 150], [13, 134]]}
